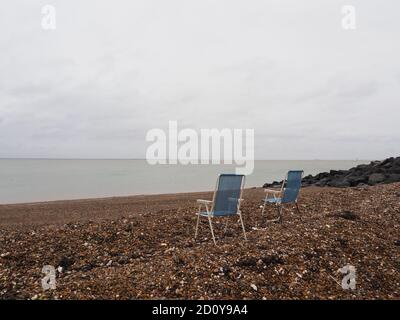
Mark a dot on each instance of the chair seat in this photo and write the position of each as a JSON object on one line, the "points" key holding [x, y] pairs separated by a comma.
{"points": [[217, 214], [274, 200], [203, 214]]}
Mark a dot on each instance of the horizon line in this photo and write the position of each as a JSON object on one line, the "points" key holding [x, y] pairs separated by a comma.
{"points": [[73, 158]]}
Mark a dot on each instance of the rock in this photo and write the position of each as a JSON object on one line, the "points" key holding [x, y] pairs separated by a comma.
{"points": [[374, 163], [336, 172], [362, 185], [273, 184], [386, 171], [348, 215], [339, 183], [393, 169], [396, 162], [272, 260], [88, 267], [247, 262], [65, 263], [322, 182], [387, 162], [356, 181], [376, 178], [5, 255], [395, 177]]}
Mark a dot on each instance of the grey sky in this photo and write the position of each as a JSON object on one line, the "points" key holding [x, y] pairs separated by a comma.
{"points": [[112, 70]]}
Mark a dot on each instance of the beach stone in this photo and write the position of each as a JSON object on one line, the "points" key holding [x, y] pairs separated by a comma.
{"points": [[274, 260], [348, 215], [65, 262], [254, 287], [5, 255]]}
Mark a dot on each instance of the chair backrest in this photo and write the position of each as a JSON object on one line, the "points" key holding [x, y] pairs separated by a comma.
{"points": [[228, 194], [292, 186]]}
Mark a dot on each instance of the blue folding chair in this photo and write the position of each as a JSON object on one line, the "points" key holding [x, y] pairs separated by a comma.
{"points": [[226, 201], [287, 194]]}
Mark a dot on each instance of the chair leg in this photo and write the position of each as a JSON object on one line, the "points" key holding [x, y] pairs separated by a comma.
{"points": [[263, 209], [297, 206], [280, 213], [226, 225], [197, 225], [244, 231], [212, 231]]}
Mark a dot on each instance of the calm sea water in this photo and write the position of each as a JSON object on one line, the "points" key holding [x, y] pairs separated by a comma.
{"points": [[27, 180]]}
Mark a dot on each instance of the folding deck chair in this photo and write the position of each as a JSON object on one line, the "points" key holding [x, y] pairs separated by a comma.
{"points": [[226, 201], [287, 194]]}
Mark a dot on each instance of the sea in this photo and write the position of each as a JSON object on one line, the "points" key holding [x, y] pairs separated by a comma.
{"points": [[36, 180]]}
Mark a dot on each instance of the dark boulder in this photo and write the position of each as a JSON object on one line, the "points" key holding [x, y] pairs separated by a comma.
{"points": [[322, 182], [357, 180], [322, 175], [395, 177], [394, 169], [274, 184], [396, 162], [376, 178], [338, 183]]}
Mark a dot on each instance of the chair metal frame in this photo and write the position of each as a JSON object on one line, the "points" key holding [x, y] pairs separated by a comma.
{"points": [[210, 204]]}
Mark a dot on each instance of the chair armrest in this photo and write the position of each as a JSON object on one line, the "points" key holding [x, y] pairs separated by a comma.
{"points": [[272, 191], [207, 204], [201, 201]]}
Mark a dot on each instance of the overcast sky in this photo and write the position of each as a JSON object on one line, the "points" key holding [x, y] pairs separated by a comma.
{"points": [[112, 70]]}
